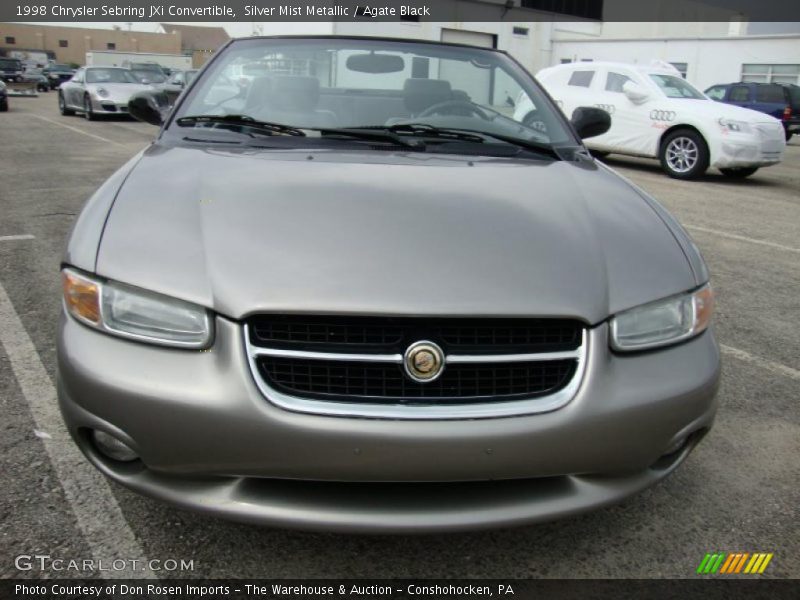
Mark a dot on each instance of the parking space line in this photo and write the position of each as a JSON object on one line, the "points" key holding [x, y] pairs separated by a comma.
{"points": [[99, 517], [11, 238], [742, 238], [769, 365], [76, 130]]}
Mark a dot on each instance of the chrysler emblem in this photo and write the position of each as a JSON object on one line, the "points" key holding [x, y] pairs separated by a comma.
{"points": [[423, 361]]}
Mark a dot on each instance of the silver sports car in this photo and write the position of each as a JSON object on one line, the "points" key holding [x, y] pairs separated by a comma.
{"points": [[98, 91], [350, 292]]}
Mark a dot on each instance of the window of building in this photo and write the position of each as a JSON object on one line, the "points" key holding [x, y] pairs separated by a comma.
{"points": [[11, 40], [586, 9], [581, 78], [615, 81], [521, 31], [740, 93], [771, 73], [111, 46], [682, 68], [566, 61], [63, 44]]}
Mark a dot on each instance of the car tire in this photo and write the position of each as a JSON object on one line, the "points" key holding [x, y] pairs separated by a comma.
{"points": [[62, 106], [739, 172], [684, 154], [789, 135], [4, 106], [87, 109]]}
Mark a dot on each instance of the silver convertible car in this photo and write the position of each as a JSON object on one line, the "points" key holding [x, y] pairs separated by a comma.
{"points": [[344, 289], [98, 91]]}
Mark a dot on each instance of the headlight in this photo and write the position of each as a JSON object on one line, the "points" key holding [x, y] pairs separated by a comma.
{"points": [[102, 92], [134, 313], [663, 322], [731, 125]]}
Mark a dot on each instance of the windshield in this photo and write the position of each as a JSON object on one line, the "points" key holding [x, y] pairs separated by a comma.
{"points": [[149, 76], [109, 76], [60, 68], [676, 87], [10, 64], [357, 83]]}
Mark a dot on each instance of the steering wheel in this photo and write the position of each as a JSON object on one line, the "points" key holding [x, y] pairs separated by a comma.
{"points": [[450, 106]]}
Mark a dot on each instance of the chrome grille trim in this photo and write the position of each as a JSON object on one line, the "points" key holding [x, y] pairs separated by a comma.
{"points": [[517, 407]]}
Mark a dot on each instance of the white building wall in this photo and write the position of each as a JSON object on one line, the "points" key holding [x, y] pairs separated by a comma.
{"points": [[710, 60], [532, 50]]}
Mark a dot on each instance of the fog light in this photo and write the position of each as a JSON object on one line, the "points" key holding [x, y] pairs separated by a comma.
{"points": [[112, 447]]}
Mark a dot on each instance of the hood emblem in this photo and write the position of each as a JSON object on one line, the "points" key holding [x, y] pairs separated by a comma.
{"points": [[423, 361]]}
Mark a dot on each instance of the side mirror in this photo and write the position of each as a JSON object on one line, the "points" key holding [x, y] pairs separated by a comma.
{"points": [[150, 107], [589, 121], [635, 92]]}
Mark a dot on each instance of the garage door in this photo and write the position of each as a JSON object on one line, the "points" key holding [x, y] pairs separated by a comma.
{"points": [[463, 76], [473, 38]]}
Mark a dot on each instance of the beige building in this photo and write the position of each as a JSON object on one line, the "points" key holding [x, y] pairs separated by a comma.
{"points": [[70, 44], [197, 41]]}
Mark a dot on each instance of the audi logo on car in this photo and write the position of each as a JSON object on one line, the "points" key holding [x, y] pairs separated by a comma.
{"points": [[662, 115]]}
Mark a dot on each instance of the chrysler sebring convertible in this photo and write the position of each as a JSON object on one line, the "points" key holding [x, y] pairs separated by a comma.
{"points": [[344, 289]]}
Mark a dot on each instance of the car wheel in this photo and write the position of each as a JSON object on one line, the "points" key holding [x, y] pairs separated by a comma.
{"points": [[684, 154], [43, 88], [62, 106], [4, 106], [739, 172], [789, 135], [87, 109]]}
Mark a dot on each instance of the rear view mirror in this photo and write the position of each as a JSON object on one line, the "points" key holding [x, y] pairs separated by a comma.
{"points": [[590, 121], [150, 107], [375, 63], [635, 92]]}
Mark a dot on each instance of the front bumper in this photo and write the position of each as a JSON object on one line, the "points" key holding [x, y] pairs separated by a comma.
{"points": [[210, 441], [763, 148], [109, 106]]}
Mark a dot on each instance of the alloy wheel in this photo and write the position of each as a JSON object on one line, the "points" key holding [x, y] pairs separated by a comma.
{"points": [[682, 154]]}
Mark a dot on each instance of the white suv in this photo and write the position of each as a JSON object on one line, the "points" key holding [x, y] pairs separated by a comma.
{"points": [[656, 113]]}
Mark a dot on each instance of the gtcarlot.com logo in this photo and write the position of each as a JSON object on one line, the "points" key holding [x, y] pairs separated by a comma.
{"points": [[734, 563]]}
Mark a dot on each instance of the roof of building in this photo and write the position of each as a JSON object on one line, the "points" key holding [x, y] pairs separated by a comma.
{"points": [[195, 37]]}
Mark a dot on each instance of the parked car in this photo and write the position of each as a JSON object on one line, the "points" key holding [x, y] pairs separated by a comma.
{"points": [[176, 83], [11, 69], [148, 76], [58, 74], [3, 96], [779, 100], [98, 91], [656, 113], [36, 76], [359, 300], [144, 66]]}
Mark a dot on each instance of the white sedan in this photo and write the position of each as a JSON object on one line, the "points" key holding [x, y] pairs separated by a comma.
{"points": [[656, 113]]}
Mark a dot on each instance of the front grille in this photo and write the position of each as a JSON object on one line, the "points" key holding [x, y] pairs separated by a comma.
{"points": [[386, 383], [394, 334]]}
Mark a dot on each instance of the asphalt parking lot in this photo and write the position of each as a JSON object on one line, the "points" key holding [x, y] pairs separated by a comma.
{"points": [[739, 491]]}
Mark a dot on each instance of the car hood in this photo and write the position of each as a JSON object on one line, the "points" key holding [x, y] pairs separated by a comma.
{"points": [[118, 92], [388, 233], [715, 110]]}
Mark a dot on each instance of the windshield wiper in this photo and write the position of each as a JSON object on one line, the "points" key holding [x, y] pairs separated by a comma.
{"points": [[466, 135], [371, 133], [243, 120]]}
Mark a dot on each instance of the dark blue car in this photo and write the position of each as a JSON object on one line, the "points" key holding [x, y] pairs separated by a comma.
{"points": [[780, 100]]}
